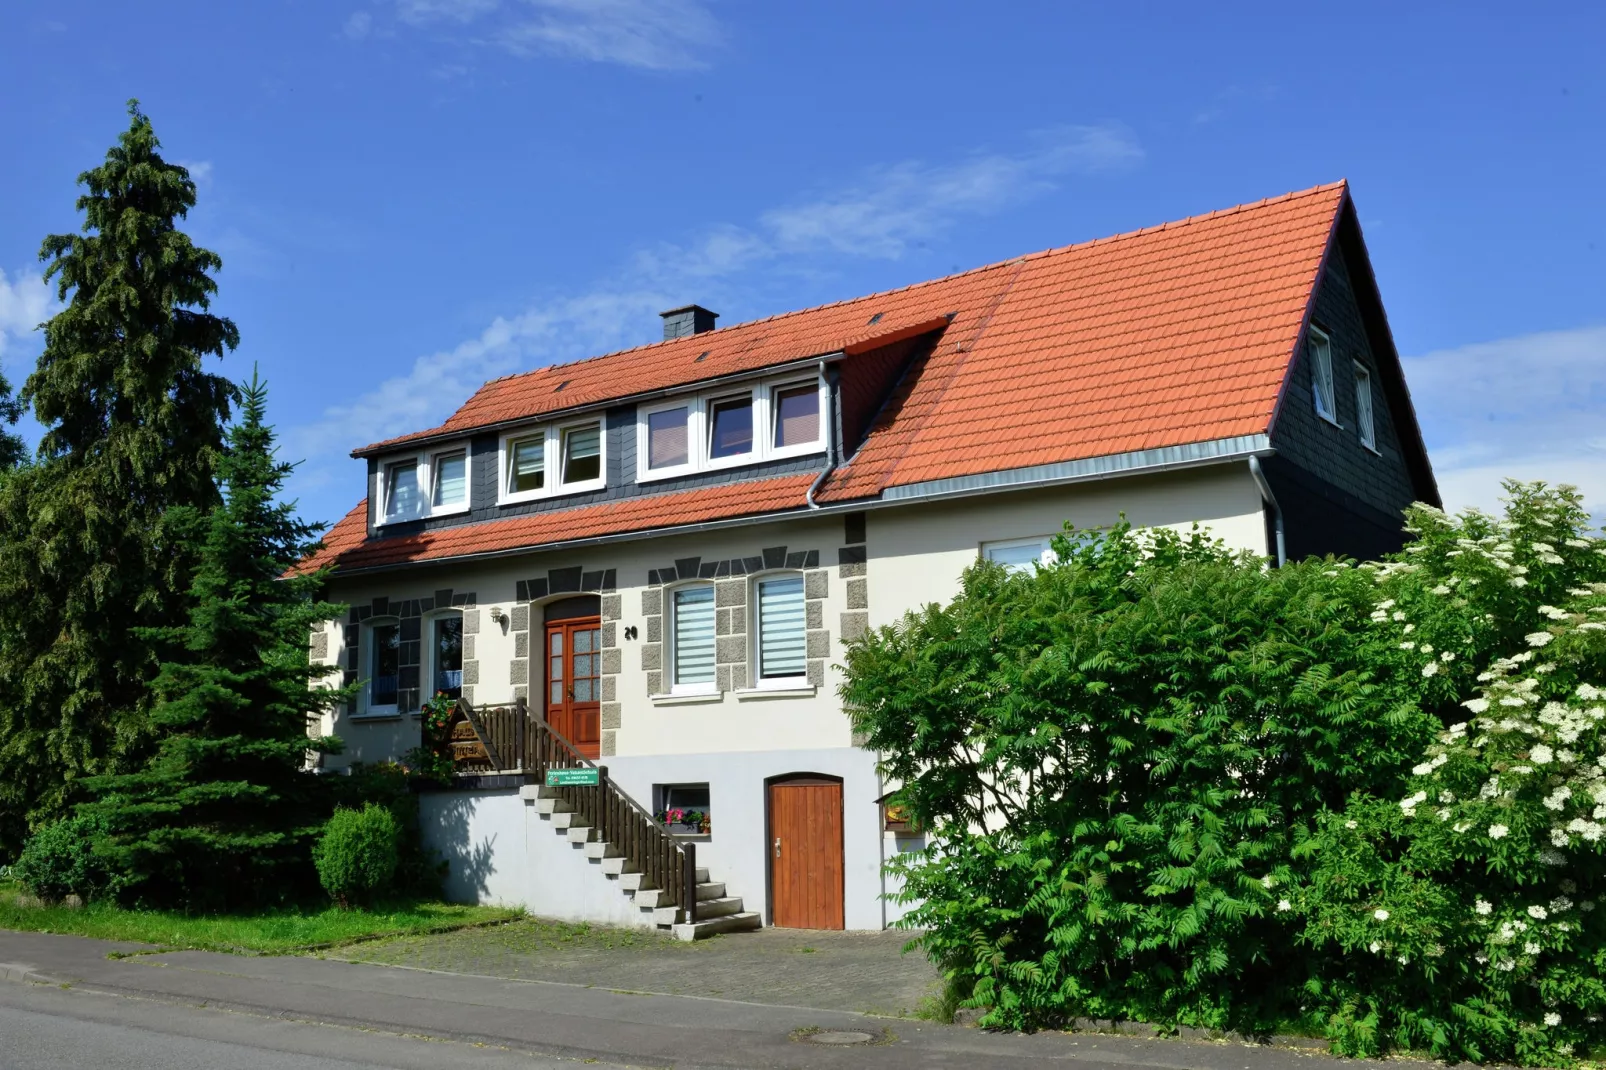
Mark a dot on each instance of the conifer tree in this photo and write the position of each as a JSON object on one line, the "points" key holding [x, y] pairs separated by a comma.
{"points": [[133, 426], [224, 811]]}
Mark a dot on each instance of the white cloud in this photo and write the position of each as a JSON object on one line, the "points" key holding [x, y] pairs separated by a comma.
{"points": [[25, 302], [650, 34], [200, 170], [1529, 407], [358, 25], [878, 217]]}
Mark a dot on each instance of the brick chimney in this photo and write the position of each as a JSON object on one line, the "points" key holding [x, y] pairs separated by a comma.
{"points": [[688, 319]]}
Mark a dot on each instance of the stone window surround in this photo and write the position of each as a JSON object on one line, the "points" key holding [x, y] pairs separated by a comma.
{"points": [[411, 613]]}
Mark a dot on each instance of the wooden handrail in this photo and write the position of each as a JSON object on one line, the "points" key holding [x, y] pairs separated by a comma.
{"points": [[619, 819]]}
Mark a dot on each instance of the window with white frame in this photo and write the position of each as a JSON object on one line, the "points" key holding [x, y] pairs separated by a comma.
{"points": [[691, 639], [780, 643], [1321, 375], [1363, 407], [781, 417], [1020, 555], [560, 459], [449, 472], [384, 665], [445, 648], [402, 499]]}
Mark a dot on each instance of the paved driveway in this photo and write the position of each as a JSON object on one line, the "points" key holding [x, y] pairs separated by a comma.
{"points": [[865, 972]]}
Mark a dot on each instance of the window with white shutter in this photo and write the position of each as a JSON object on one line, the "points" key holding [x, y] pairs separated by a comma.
{"points": [[692, 639], [782, 652]]}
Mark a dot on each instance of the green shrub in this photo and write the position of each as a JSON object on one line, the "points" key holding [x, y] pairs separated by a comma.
{"points": [[59, 860], [419, 871], [357, 855]]}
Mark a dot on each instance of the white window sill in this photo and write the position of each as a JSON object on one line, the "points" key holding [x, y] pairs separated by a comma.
{"points": [[377, 715], [1373, 450], [1329, 419], [559, 492], [778, 453], [692, 699], [747, 694], [679, 471], [389, 520], [447, 510]]}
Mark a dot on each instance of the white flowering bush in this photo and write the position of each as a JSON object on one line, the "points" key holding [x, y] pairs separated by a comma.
{"points": [[1460, 916]]}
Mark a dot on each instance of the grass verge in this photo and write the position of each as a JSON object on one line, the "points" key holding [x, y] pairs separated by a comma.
{"points": [[267, 932]]}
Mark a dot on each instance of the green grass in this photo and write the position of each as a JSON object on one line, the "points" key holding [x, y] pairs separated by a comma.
{"points": [[271, 931]]}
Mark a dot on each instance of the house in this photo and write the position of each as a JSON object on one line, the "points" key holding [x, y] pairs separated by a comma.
{"points": [[658, 554]]}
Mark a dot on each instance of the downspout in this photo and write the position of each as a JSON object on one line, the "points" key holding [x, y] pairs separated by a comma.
{"points": [[1276, 510], [833, 431]]}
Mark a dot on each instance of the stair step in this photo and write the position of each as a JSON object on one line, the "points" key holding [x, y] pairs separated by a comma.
{"points": [[569, 820], [600, 850], [651, 898], [631, 882], [743, 921], [552, 806], [710, 890], [702, 874], [713, 908], [581, 834], [616, 865]]}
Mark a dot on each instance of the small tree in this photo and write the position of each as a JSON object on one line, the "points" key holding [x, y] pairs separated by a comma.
{"points": [[133, 426], [224, 811]]}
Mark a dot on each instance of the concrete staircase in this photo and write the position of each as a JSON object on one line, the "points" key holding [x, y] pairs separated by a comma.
{"points": [[716, 911]]}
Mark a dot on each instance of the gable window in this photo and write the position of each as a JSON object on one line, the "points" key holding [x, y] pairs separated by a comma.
{"points": [[1363, 407], [691, 645], [526, 469], [781, 647], [384, 666], [731, 424], [402, 500], [450, 472], [796, 416], [669, 438], [1020, 555], [582, 454], [1321, 375]]}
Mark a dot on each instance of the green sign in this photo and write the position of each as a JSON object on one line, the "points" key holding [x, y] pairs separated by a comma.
{"points": [[571, 778]]}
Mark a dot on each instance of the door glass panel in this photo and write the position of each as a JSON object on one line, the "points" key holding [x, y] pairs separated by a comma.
{"points": [[582, 642], [555, 695], [582, 691]]}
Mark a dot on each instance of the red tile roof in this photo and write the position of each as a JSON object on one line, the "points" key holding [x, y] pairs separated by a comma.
{"points": [[1177, 334], [347, 546]]}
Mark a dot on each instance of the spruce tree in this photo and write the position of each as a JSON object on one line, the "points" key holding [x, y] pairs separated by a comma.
{"points": [[12, 450], [224, 811], [133, 427]]}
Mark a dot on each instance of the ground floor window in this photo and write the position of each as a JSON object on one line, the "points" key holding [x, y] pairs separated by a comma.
{"points": [[384, 665], [446, 647], [683, 807]]}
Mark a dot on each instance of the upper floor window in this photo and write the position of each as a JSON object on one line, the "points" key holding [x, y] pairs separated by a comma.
{"points": [[574, 453], [412, 488], [1020, 555], [1321, 375], [781, 646], [1363, 407], [768, 420], [691, 639]]}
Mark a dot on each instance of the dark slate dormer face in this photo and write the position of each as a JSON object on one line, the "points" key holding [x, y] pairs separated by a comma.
{"points": [[753, 428]]}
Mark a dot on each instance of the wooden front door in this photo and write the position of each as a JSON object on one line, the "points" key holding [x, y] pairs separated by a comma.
{"points": [[805, 851], [574, 682]]}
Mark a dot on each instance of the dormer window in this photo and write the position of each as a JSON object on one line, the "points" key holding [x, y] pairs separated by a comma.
{"points": [[402, 500], [527, 467], [767, 420], [422, 486], [575, 454], [582, 454], [732, 423]]}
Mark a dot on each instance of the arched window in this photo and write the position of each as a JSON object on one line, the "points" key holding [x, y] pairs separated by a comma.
{"points": [[691, 639], [780, 644]]}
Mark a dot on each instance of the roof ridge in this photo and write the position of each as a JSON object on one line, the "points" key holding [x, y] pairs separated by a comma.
{"points": [[995, 265]]}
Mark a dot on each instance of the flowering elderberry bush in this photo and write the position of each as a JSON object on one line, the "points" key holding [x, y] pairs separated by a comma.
{"points": [[1460, 916]]}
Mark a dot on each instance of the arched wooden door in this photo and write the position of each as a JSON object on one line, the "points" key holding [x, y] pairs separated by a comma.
{"points": [[805, 852], [573, 678]]}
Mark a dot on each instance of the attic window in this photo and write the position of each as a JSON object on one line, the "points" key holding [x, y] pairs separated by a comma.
{"points": [[1363, 407], [1321, 376], [875, 319], [559, 388], [701, 355]]}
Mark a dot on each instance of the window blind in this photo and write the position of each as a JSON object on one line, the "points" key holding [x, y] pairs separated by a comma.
{"points": [[528, 470], [451, 479], [582, 454], [781, 648], [732, 433], [694, 635], [797, 416], [667, 443]]}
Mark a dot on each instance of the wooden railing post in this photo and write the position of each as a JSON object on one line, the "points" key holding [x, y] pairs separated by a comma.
{"points": [[688, 882], [603, 808]]}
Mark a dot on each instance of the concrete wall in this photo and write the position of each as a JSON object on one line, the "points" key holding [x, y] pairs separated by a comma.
{"points": [[500, 851]]}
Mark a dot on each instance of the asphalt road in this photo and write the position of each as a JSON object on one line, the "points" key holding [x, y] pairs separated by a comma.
{"points": [[71, 1002], [44, 1028]]}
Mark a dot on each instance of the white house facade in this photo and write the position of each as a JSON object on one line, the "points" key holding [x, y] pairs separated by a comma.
{"points": [[648, 563]]}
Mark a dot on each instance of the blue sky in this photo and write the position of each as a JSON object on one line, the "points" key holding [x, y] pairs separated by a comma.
{"points": [[411, 196]]}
